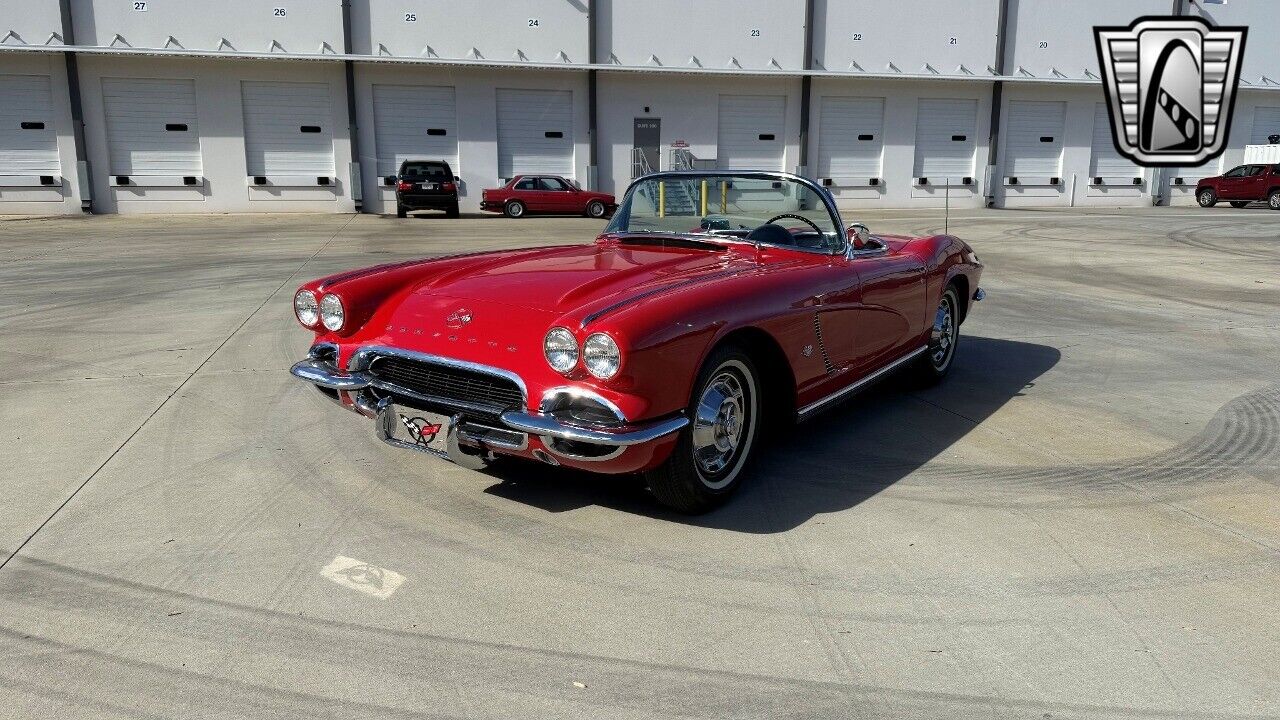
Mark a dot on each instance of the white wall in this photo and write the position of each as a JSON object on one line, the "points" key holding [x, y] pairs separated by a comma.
{"points": [[248, 25], [902, 99], [220, 119], [501, 30], [1066, 32], [757, 33], [476, 100], [33, 21], [64, 199], [689, 108], [907, 33], [1261, 51]]}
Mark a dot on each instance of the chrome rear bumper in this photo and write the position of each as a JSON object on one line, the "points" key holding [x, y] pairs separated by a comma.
{"points": [[323, 374]]}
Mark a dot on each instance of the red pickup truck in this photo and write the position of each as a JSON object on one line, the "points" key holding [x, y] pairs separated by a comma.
{"points": [[526, 194], [1242, 185]]}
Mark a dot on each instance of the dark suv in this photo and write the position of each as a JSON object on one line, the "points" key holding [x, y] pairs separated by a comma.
{"points": [[426, 185]]}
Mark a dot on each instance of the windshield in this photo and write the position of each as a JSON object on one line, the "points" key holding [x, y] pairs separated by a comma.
{"points": [[771, 210], [435, 171]]}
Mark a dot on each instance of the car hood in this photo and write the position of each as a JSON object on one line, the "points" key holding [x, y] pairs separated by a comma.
{"points": [[560, 279]]}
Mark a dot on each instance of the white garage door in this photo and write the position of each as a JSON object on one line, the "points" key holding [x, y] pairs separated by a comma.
{"points": [[287, 128], [535, 132], [151, 126], [1034, 138], [1105, 160], [1266, 121], [750, 132], [850, 137], [945, 130], [414, 122], [28, 143]]}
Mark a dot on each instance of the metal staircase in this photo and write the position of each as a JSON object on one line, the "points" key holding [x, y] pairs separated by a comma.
{"points": [[639, 163], [681, 197]]}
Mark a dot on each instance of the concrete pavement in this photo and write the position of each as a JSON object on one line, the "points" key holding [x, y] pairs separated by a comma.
{"points": [[1082, 521]]}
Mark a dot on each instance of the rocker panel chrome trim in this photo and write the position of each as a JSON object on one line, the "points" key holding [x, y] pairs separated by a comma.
{"points": [[804, 412]]}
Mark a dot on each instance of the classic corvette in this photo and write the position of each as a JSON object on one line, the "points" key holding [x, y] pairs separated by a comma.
{"points": [[712, 304]]}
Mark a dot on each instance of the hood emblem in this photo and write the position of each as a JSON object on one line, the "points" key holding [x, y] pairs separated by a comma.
{"points": [[458, 318]]}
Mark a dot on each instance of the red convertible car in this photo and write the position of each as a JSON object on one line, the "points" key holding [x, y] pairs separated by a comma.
{"points": [[550, 194], [711, 304]]}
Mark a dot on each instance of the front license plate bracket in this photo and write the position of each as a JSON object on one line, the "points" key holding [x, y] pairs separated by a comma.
{"points": [[428, 432]]}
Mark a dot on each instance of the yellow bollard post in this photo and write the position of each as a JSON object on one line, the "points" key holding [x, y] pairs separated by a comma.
{"points": [[704, 198], [662, 199], [724, 197]]}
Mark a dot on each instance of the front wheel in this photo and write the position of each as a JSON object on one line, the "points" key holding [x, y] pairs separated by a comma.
{"points": [[1273, 200], [1239, 203], [707, 463], [1207, 198], [514, 209], [595, 209], [944, 335]]}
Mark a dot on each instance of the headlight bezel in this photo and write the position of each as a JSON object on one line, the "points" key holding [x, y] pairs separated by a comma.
{"points": [[313, 308], [327, 312], [566, 349], [601, 356]]}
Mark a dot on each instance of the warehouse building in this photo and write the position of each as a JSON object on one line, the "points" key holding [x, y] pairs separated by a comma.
{"points": [[309, 105]]}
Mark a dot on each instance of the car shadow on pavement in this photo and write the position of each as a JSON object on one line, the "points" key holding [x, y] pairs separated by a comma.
{"points": [[830, 463]]}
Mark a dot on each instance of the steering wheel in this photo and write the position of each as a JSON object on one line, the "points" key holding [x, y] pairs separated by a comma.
{"points": [[801, 218]]}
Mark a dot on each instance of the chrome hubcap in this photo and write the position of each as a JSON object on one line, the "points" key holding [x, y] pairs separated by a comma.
{"points": [[943, 336], [718, 425]]}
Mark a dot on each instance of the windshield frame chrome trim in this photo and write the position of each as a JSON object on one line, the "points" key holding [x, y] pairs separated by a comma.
{"points": [[827, 200]]}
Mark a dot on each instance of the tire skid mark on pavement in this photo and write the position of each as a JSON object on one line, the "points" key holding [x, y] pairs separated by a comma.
{"points": [[1244, 435], [1241, 440], [406, 660]]}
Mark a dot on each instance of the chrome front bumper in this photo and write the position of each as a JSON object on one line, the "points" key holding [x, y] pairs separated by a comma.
{"points": [[323, 374]]}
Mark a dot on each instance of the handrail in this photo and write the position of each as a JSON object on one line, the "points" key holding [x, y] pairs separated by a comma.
{"points": [[639, 163], [682, 159]]}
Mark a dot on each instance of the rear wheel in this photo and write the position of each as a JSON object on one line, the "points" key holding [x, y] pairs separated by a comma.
{"points": [[401, 211], [452, 211], [1273, 200], [706, 466], [936, 361], [595, 209], [1207, 198], [514, 209], [1239, 203]]}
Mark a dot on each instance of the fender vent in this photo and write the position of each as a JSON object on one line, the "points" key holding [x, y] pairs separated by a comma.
{"points": [[822, 346]]}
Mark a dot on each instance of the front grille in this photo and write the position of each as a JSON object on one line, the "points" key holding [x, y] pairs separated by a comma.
{"points": [[447, 385]]}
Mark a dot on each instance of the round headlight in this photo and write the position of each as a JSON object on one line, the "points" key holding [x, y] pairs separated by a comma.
{"points": [[331, 312], [561, 350], [601, 356], [306, 308]]}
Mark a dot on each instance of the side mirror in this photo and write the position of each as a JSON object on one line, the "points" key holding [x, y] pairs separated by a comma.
{"points": [[457, 179], [859, 234]]}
